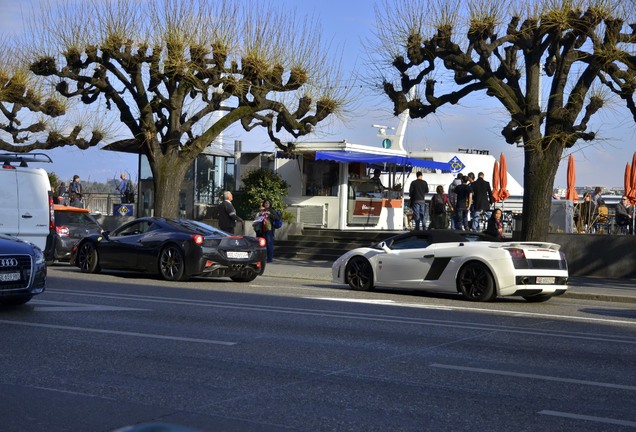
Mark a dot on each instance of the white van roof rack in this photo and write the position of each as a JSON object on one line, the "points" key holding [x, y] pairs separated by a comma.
{"points": [[24, 158]]}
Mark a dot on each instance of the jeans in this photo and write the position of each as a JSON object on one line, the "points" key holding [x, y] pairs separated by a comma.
{"points": [[420, 211], [460, 218], [476, 215], [269, 238]]}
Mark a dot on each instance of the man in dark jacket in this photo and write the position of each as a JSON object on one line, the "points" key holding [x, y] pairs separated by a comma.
{"points": [[227, 214], [417, 194], [482, 199], [464, 200]]}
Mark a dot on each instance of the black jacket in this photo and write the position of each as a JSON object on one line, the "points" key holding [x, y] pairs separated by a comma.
{"points": [[227, 216], [418, 190], [482, 194]]}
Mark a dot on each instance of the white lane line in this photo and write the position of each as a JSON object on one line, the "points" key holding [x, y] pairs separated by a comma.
{"points": [[116, 332], [535, 376], [589, 418], [56, 306], [494, 311]]}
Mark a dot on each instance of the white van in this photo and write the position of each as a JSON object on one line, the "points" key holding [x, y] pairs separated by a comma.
{"points": [[26, 202]]}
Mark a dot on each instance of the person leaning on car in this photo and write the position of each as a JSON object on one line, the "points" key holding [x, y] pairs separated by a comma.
{"points": [[227, 214]]}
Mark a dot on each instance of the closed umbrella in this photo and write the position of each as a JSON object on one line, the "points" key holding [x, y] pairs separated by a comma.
{"points": [[632, 193], [627, 180], [503, 178], [495, 182], [570, 193]]}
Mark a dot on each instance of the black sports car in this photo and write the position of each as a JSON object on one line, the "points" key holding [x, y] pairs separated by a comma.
{"points": [[176, 249], [22, 271]]}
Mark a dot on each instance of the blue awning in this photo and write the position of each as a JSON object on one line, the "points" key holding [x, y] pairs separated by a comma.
{"points": [[370, 158]]}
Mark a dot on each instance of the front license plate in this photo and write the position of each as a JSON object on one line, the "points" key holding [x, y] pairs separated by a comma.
{"points": [[9, 277], [545, 281], [231, 254]]}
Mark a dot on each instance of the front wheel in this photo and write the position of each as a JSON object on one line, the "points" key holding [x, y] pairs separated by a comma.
{"points": [[172, 263], [88, 258], [538, 298], [476, 283], [359, 274]]}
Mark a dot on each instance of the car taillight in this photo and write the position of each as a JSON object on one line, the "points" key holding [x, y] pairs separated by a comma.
{"points": [[198, 239], [62, 230], [262, 242], [516, 254], [51, 212]]}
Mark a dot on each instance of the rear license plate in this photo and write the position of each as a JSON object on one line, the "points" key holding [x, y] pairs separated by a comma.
{"points": [[545, 280], [231, 254], [9, 277]]}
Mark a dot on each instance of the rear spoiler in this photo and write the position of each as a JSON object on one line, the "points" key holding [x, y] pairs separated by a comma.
{"points": [[24, 158], [537, 245]]}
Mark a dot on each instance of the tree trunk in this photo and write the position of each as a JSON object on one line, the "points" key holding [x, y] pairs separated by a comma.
{"points": [[539, 172], [168, 174]]}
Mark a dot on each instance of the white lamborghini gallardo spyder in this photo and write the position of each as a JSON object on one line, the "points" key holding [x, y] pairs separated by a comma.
{"points": [[457, 261]]}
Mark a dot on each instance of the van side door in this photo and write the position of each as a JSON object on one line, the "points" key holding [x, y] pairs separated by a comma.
{"points": [[33, 205]]}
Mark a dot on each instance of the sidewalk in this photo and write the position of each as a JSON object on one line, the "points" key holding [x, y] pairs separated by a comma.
{"points": [[588, 288]]}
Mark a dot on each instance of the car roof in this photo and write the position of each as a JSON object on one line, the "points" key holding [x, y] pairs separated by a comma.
{"points": [[61, 207]]}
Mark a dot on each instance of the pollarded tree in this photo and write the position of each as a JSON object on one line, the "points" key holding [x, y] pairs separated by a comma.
{"points": [[28, 112], [166, 67], [585, 49]]}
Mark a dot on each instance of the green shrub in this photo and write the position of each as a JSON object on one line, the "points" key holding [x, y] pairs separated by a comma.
{"points": [[258, 185]]}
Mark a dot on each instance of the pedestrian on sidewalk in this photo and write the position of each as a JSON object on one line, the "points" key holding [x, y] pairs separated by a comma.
{"points": [[417, 194], [227, 214], [263, 224]]}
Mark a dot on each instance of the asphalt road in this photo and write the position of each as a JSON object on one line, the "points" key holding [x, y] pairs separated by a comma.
{"points": [[97, 352]]}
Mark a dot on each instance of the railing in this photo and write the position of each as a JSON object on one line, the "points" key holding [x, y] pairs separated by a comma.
{"points": [[100, 203]]}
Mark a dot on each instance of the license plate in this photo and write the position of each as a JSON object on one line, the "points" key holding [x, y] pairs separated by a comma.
{"points": [[545, 280], [9, 277], [232, 254]]}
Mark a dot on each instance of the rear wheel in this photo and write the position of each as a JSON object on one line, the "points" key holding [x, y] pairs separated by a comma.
{"points": [[538, 298], [359, 274], [88, 258], [172, 263], [476, 283]]}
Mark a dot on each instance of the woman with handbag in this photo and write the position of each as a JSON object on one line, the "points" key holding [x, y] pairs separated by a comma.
{"points": [[263, 224]]}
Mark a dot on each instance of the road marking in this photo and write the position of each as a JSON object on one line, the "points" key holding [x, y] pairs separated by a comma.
{"points": [[468, 309], [116, 332], [589, 418], [535, 376], [56, 306]]}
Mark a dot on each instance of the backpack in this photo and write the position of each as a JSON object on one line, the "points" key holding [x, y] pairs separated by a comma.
{"points": [[438, 207], [278, 223]]}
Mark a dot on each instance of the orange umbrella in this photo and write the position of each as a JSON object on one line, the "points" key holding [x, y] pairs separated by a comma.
{"points": [[495, 182], [627, 181], [503, 178], [570, 193], [632, 193]]}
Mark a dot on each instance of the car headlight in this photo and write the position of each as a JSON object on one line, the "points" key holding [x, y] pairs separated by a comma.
{"points": [[38, 256]]}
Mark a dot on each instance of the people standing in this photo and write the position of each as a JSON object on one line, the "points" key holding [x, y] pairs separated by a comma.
{"points": [[495, 225], [464, 200], [75, 192], [438, 207], [227, 214], [482, 199], [452, 197], [417, 194], [597, 195], [62, 194], [123, 188], [264, 228]]}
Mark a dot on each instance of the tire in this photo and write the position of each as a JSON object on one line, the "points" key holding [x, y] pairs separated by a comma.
{"points": [[172, 264], [538, 298], [16, 301], [476, 283], [88, 258], [359, 274]]}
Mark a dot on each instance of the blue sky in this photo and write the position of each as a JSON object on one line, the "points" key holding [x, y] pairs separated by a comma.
{"points": [[475, 124]]}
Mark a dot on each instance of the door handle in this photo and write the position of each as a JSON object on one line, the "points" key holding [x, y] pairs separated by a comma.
{"points": [[26, 216], [429, 256]]}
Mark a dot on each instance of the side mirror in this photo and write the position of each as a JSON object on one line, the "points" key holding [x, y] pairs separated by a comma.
{"points": [[384, 247]]}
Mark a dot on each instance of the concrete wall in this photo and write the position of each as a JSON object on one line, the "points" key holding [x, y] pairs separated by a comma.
{"points": [[611, 256]]}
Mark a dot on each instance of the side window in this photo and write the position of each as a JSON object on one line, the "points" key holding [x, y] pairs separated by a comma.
{"points": [[411, 242], [133, 229]]}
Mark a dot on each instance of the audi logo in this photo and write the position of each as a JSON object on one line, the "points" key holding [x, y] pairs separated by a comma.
{"points": [[8, 262]]}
